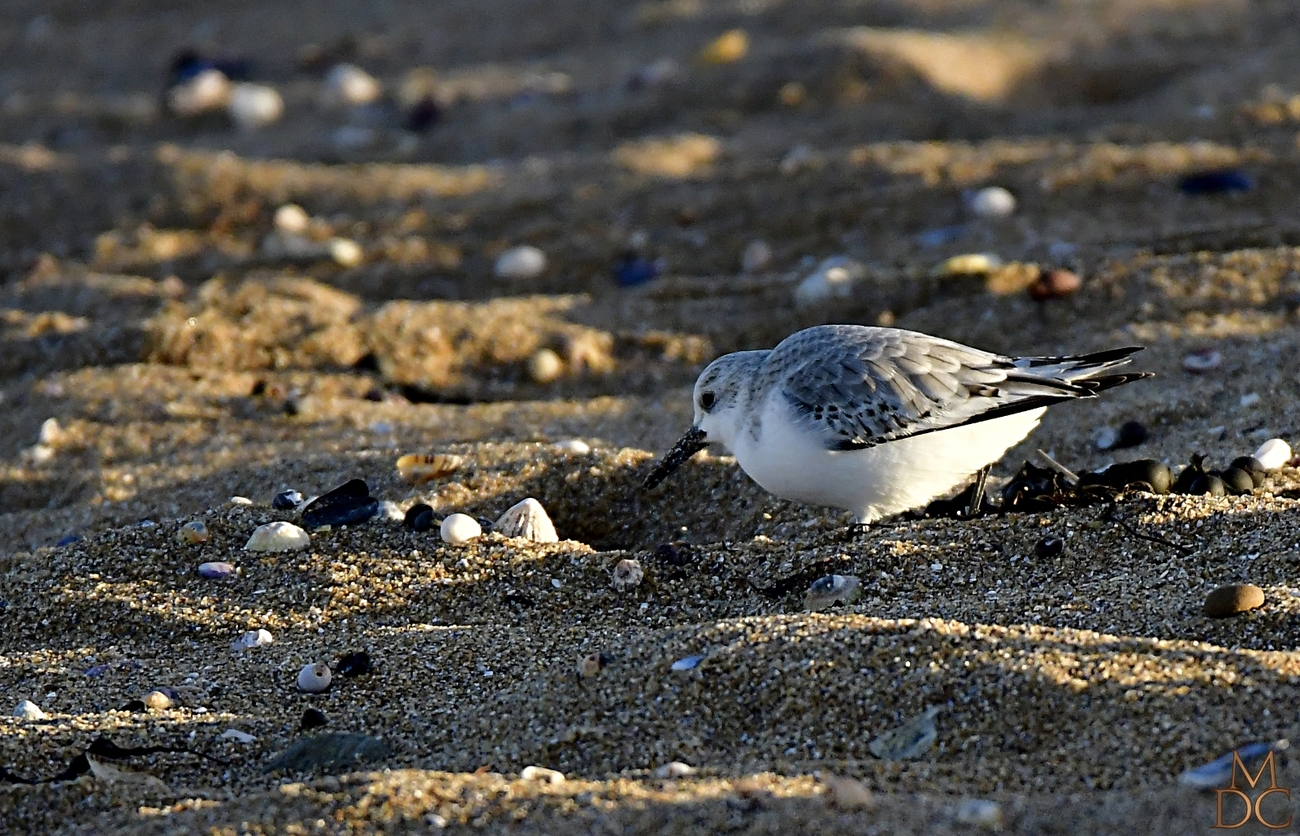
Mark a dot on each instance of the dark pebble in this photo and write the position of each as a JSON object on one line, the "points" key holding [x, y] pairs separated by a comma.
{"points": [[1050, 547], [1188, 475], [97, 670], [422, 115], [632, 270], [354, 664], [68, 540], [348, 504], [1054, 284], [1155, 475], [419, 517], [1253, 466], [313, 718], [286, 500], [1233, 599], [134, 706], [1131, 434], [1217, 182], [1237, 481], [1207, 484], [676, 553]]}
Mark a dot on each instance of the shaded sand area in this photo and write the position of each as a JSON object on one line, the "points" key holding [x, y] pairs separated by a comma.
{"points": [[162, 350]]}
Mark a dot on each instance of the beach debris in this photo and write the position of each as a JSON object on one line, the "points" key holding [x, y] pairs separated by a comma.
{"points": [[1233, 599], [347, 85], [847, 793], [542, 774], [313, 718], [830, 590], [1218, 773], [460, 528], [910, 740], [291, 219], [253, 106], [545, 366], [1253, 466], [237, 736], [1202, 360], [348, 504], [628, 574], [390, 511], [527, 519], [192, 532], [675, 769], [239, 501], [277, 537], [592, 664], [756, 257], [832, 279], [687, 663], [968, 264], [1129, 434], [315, 678], [418, 468], [112, 774], [632, 269], [251, 639], [727, 48], [30, 711], [1056, 283], [991, 202], [576, 446], [157, 700], [523, 262], [1050, 547], [216, 570], [355, 664], [981, 812], [419, 517], [1216, 181], [329, 751], [1273, 454]]}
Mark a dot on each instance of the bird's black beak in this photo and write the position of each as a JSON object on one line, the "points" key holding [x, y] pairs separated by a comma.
{"points": [[688, 445]]}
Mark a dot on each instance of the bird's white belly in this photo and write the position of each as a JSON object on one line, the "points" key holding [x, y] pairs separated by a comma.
{"points": [[878, 481]]}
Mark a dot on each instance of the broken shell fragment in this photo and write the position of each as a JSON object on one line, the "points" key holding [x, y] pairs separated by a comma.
{"points": [[675, 769], [909, 740], [628, 574], [541, 773], [30, 711], [314, 678], [277, 537], [251, 639], [830, 590], [527, 519], [425, 467]]}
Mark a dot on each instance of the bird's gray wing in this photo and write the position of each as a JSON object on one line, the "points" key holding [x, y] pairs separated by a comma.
{"points": [[858, 387]]}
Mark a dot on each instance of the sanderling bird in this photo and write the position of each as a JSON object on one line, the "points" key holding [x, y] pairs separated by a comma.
{"points": [[877, 421]]}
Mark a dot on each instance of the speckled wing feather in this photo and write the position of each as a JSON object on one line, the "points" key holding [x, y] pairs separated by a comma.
{"points": [[858, 387]]}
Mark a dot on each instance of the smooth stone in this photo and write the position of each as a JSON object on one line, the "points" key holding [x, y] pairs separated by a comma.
{"points": [[981, 813], [628, 574], [216, 569], [51, 433], [523, 262], [348, 504], [419, 517], [675, 769], [1054, 284], [157, 700], [277, 537], [632, 270], [969, 264], [545, 366], [1216, 182], [251, 639], [460, 528], [832, 280], [573, 445], [727, 48], [347, 85], [1273, 454], [1050, 547], [292, 218], [992, 202], [1237, 481], [240, 501], [1251, 465], [1207, 484], [207, 91], [346, 252], [1233, 599], [253, 106], [286, 500], [314, 678], [687, 663], [30, 711], [757, 256], [528, 520], [313, 718], [194, 531], [830, 590]]}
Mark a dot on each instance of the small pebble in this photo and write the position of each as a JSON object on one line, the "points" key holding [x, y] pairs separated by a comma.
{"points": [[355, 664], [391, 512], [633, 270], [541, 773], [347, 85], [1237, 481], [592, 664], [1253, 466], [909, 740], [675, 769], [969, 264], [346, 252], [251, 639], [1050, 547], [237, 736], [277, 537], [1273, 454], [207, 91], [50, 433], [460, 528], [831, 590], [419, 517], [292, 219], [676, 553], [628, 574], [523, 262], [992, 202], [348, 504], [1130, 434], [1233, 599], [193, 532], [688, 663], [1207, 484], [216, 570], [418, 468], [528, 520], [1054, 284], [253, 106], [1218, 181], [757, 257], [573, 445], [314, 678], [1203, 360], [833, 279], [981, 813], [30, 711], [238, 501], [847, 793], [312, 718], [157, 700], [727, 48], [545, 366]]}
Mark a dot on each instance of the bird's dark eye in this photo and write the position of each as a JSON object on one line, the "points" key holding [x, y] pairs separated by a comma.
{"points": [[707, 400]]}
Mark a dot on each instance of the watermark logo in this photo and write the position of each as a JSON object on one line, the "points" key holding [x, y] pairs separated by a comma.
{"points": [[1250, 800]]}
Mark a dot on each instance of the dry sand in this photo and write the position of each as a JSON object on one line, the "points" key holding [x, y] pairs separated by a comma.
{"points": [[186, 363]]}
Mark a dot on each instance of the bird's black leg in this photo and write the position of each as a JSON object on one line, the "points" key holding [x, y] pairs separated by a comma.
{"points": [[976, 506]]}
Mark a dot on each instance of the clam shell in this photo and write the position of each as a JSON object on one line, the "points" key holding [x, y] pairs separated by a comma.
{"points": [[425, 467], [277, 537], [528, 520]]}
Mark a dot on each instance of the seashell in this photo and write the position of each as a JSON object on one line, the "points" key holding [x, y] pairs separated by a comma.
{"points": [[253, 106], [991, 202], [312, 718], [527, 519], [330, 750], [251, 639], [347, 85], [969, 264], [355, 664], [1273, 454], [314, 678], [757, 256], [419, 517], [573, 445], [460, 528], [418, 468], [727, 48], [207, 91], [30, 711], [628, 574], [157, 700], [833, 279], [348, 504], [687, 663], [1050, 547], [848, 793], [292, 219], [346, 252], [675, 769], [216, 570], [1218, 772], [541, 773], [830, 590], [909, 740], [277, 537], [237, 736], [981, 813], [523, 262], [240, 501], [545, 366], [193, 532], [51, 433], [1202, 360]]}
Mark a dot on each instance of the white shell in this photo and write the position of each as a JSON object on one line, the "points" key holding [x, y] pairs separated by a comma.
{"points": [[528, 520], [192, 532], [346, 252], [675, 769], [253, 106], [209, 90], [1203, 360], [157, 700], [541, 773], [1273, 454], [278, 537], [545, 366], [573, 445], [28, 710], [460, 528], [240, 500], [757, 256], [628, 574], [347, 85], [51, 433], [520, 263], [292, 219], [992, 202], [314, 678], [237, 736], [251, 639], [833, 279]]}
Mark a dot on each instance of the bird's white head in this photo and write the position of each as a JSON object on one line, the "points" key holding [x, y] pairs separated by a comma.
{"points": [[722, 395]]}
